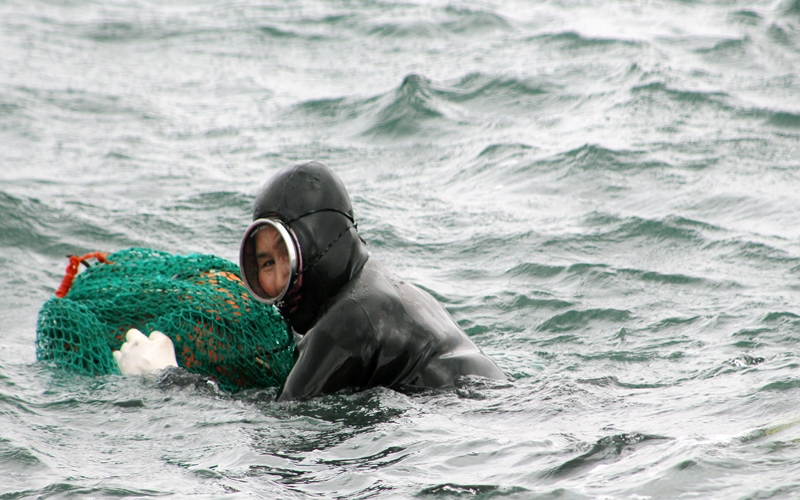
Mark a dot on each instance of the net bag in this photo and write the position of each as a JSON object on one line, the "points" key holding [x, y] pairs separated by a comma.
{"points": [[198, 301]]}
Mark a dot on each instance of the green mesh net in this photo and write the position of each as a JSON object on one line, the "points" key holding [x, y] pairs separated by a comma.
{"points": [[198, 301]]}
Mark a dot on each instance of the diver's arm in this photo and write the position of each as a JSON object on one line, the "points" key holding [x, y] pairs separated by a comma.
{"points": [[333, 354], [175, 376], [323, 367], [142, 355]]}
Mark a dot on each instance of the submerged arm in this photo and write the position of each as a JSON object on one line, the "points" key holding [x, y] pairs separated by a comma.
{"points": [[322, 368]]}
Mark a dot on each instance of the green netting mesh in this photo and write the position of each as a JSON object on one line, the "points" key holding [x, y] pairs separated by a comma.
{"points": [[197, 300]]}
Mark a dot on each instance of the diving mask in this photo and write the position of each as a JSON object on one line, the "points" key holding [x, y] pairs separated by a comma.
{"points": [[269, 260]]}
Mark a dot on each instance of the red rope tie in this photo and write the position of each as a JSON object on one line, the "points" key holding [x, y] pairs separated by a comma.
{"points": [[72, 270]]}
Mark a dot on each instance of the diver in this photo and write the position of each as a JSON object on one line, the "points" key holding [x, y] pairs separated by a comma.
{"points": [[360, 326]]}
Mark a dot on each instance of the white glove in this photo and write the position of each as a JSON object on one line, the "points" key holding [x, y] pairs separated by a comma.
{"points": [[140, 355]]}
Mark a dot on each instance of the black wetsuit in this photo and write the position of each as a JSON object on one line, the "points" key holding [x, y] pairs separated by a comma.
{"points": [[362, 327]]}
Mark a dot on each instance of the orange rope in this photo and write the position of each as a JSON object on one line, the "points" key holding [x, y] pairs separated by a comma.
{"points": [[72, 270]]}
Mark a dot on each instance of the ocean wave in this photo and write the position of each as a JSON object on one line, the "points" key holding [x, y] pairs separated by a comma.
{"points": [[482, 90], [662, 278], [782, 317], [282, 33], [470, 21], [440, 23], [575, 319], [91, 105], [420, 107], [606, 450], [612, 381], [781, 119], [134, 25], [753, 252], [786, 385], [750, 335], [789, 8], [716, 99], [117, 31], [534, 270], [593, 157], [730, 48], [672, 323], [22, 221], [59, 489], [452, 490], [216, 202], [409, 110], [556, 340], [619, 356], [336, 108], [785, 29], [784, 119], [614, 229], [522, 167], [9, 108], [412, 30], [733, 206], [573, 41], [386, 235], [18, 459], [120, 32], [504, 150], [519, 302], [17, 403], [55, 230], [405, 111], [746, 16]]}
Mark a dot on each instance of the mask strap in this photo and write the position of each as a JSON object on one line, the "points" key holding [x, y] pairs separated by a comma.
{"points": [[348, 216], [302, 268], [319, 256]]}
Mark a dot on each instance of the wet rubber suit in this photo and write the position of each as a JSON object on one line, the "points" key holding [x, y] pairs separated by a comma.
{"points": [[361, 326]]}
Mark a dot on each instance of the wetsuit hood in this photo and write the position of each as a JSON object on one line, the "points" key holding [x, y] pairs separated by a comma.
{"points": [[310, 200]]}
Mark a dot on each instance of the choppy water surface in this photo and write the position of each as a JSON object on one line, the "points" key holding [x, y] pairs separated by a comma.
{"points": [[603, 194]]}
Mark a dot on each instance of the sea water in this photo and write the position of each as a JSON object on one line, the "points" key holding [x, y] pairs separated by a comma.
{"points": [[604, 195]]}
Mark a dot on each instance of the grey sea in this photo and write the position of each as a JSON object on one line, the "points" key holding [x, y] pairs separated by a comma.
{"points": [[605, 196]]}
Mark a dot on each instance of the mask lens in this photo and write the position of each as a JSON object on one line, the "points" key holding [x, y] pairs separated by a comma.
{"points": [[268, 260]]}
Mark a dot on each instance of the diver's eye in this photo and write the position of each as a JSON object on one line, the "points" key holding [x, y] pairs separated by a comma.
{"points": [[268, 263]]}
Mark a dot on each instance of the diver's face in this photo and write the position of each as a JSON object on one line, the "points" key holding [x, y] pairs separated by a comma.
{"points": [[272, 259]]}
